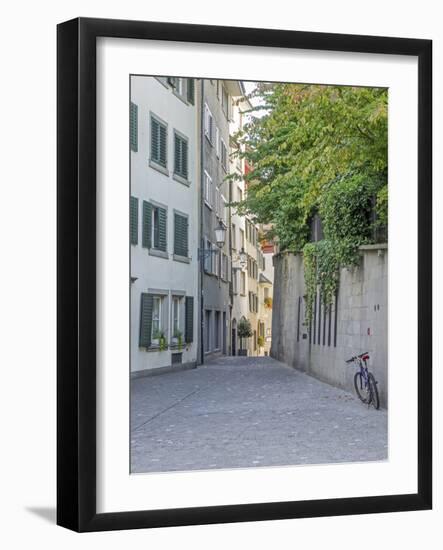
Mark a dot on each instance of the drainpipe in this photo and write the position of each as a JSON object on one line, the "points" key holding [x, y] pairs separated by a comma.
{"points": [[202, 245]]}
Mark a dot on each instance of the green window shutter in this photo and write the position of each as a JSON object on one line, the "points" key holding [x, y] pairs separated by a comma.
{"points": [[191, 91], [184, 159], [158, 142], [189, 319], [147, 301], [162, 229], [147, 223], [180, 235], [133, 127], [180, 156], [133, 220], [154, 140], [177, 154], [162, 141]]}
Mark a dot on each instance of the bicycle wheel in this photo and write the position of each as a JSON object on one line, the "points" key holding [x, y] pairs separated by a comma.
{"points": [[373, 391], [360, 388]]}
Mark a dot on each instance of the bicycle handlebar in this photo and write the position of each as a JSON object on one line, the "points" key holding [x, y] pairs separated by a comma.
{"points": [[352, 359]]}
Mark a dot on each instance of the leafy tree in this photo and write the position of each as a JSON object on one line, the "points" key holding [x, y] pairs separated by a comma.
{"points": [[317, 149]]}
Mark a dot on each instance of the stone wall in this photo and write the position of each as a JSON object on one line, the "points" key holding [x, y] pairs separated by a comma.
{"points": [[357, 322]]}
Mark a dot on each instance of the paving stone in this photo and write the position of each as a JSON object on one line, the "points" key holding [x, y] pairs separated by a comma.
{"points": [[242, 412]]}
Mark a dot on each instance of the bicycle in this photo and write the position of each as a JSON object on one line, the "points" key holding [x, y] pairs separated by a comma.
{"points": [[364, 381]]}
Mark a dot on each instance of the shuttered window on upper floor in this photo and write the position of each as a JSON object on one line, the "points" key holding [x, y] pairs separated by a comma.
{"points": [[154, 232], [158, 141], [133, 220], [180, 156], [181, 230], [133, 126]]}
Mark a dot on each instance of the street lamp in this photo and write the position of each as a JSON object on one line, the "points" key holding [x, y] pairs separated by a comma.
{"points": [[242, 259], [220, 234], [220, 238]]}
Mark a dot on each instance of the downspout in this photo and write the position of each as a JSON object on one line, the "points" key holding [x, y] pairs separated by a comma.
{"points": [[202, 244]]}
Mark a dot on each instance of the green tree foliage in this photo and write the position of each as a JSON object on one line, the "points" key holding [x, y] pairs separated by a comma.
{"points": [[318, 149]]}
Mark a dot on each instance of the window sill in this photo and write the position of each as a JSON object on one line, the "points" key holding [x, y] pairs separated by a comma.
{"points": [[155, 166], [208, 205], [181, 180], [158, 253], [209, 141], [183, 259]]}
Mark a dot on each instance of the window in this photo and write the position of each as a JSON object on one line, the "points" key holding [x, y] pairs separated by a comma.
{"points": [[233, 237], [225, 101], [235, 281], [239, 194], [154, 226], [133, 127], [158, 142], [181, 231], [266, 293], [180, 156], [156, 319], [176, 325], [215, 261], [153, 320], [208, 189], [223, 209], [208, 257], [242, 238], [224, 155], [209, 125], [133, 220], [217, 142], [242, 283]]}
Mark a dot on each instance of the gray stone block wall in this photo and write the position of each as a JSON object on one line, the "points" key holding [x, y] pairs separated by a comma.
{"points": [[359, 325]]}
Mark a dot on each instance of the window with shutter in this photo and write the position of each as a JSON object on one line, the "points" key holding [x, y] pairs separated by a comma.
{"points": [[180, 156], [146, 307], [147, 225], [189, 319], [180, 235], [133, 127], [217, 142], [133, 220], [191, 91], [158, 142], [162, 229]]}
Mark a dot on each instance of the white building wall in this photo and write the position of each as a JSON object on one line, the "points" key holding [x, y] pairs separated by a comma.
{"points": [[147, 183]]}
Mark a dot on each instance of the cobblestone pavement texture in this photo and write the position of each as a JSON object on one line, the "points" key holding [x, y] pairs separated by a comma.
{"points": [[242, 412]]}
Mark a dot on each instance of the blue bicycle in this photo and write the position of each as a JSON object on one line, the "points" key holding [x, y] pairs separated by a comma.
{"points": [[364, 381]]}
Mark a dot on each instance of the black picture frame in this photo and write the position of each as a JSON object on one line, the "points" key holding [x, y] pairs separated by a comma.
{"points": [[76, 281]]}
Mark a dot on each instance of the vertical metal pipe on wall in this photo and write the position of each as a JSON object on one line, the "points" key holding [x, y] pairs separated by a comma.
{"points": [[202, 245]]}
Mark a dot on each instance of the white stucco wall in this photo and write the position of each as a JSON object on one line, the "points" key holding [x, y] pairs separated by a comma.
{"points": [[152, 185]]}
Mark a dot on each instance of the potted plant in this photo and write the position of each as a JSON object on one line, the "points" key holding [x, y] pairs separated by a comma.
{"points": [[268, 302], [179, 336], [162, 343], [261, 341], [244, 330]]}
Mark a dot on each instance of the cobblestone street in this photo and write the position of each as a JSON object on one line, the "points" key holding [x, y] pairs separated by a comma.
{"points": [[239, 412]]}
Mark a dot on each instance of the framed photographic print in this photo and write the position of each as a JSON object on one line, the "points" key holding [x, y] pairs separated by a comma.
{"points": [[244, 274]]}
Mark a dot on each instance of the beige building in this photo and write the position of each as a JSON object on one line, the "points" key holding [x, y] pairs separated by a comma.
{"points": [[250, 284]]}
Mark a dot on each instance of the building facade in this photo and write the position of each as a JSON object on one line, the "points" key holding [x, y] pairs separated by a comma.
{"points": [[252, 281], [216, 302], [164, 223]]}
